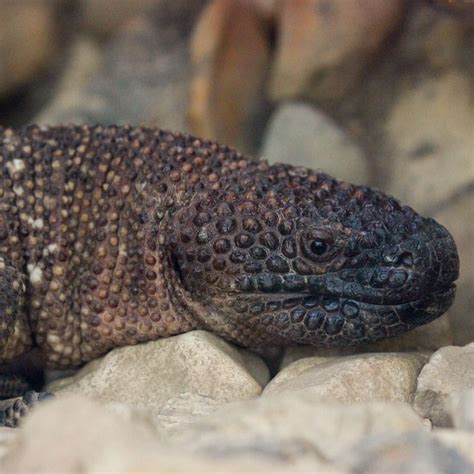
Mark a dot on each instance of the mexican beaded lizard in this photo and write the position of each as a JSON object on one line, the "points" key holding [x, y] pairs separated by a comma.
{"points": [[111, 236]]}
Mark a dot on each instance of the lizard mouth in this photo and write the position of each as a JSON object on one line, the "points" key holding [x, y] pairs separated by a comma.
{"points": [[408, 289], [441, 297], [327, 320]]}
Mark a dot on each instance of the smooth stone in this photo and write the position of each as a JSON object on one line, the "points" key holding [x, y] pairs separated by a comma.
{"points": [[323, 48], [441, 42], [357, 378], [453, 216], [302, 135], [461, 441], [97, 16], [416, 452], [457, 7], [143, 76], [294, 353], [293, 424], [300, 363], [153, 375], [461, 409], [84, 60], [450, 370], [229, 39], [28, 42], [65, 435], [77, 435], [7, 437], [431, 120]]}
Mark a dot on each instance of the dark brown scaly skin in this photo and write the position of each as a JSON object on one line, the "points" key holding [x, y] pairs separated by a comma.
{"points": [[111, 236]]}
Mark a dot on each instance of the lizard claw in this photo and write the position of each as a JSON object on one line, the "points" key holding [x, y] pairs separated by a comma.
{"points": [[13, 410]]}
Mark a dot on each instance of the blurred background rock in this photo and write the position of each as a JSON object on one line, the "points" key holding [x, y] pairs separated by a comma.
{"points": [[379, 92]]}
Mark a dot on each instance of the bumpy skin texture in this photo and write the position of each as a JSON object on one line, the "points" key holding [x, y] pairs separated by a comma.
{"points": [[110, 236]]}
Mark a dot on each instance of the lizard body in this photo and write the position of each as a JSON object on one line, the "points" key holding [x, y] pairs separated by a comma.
{"points": [[112, 236]]}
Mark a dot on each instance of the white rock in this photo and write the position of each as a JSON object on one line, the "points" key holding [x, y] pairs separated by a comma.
{"points": [[68, 435], [98, 17], [323, 47], [84, 61], [453, 217], [450, 370], [431, 121], [462, 441], [77, 435], [294, 424], [461, 409], [28, 42], [152, 375], [358, 378], [7, 437], [141, 78], [294, 353], [301, 135], [406, 453]]}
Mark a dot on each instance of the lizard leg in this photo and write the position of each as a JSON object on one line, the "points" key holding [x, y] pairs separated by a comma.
{"points": [[15, 343], [12, 385], [14, 409], [15, 331], [18, 381]]}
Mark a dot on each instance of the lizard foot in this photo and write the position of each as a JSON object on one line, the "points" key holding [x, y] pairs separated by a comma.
{"points": [[13, 410]]}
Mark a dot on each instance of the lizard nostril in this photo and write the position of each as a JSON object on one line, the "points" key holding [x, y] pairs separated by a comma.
{"points": [[391, 255], [396, 256], [406, 258]]}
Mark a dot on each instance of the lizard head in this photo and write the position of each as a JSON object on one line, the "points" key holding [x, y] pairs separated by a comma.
{"points": [[298, 257]]}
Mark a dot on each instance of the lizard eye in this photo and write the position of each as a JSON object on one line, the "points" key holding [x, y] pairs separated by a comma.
{"points": [[319, 247]]}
